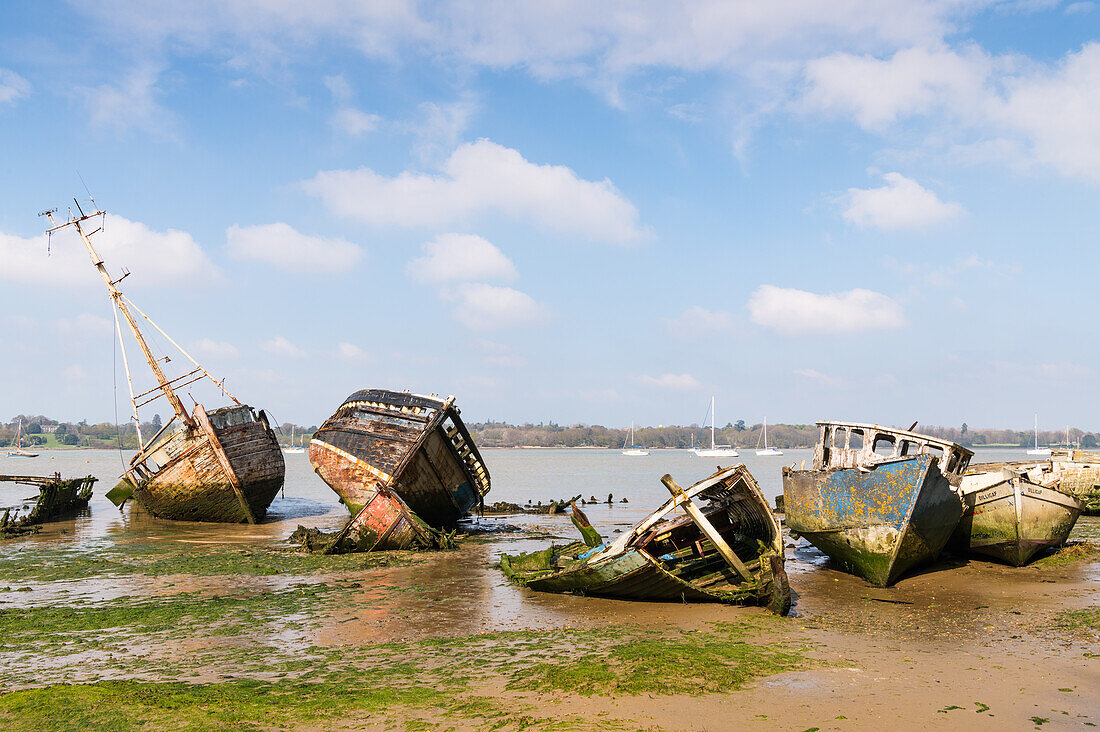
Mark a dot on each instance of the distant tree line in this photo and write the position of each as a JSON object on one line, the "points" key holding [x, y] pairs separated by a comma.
{"points": [[37, 430], [738, 434]]}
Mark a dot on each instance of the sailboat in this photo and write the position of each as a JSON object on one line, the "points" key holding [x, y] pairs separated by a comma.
{"points": [[715, 450], [767, 451], [294, 449], [224, 465], [632, 450], [18, 451], [1038, 451]]}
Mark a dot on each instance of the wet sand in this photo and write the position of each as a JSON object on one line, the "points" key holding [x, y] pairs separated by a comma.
{"points": [[965, 642]]}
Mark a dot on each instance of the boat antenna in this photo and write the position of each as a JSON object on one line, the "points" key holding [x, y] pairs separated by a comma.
{"points": [[912, 427]]}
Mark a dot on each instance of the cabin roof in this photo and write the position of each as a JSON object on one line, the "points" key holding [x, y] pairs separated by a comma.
{"points": [[396, 398], [946, 444]]}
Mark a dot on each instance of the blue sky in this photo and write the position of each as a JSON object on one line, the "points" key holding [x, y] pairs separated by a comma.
{"points": [[580, 212]]}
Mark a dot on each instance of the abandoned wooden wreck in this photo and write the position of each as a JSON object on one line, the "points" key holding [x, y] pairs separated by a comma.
{"points": [[57, 498], [223, 466], [878, 501], [1011, 518], [404, 465], [729, 549]]}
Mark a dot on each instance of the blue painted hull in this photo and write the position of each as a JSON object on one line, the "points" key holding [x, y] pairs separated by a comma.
{"points": [[878, 522]]}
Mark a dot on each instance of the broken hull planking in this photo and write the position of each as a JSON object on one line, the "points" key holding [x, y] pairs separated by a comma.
{"points": [[877, 522], [1014, 519], [687, 566], [57, 498], [418, 447], [194, 484]]}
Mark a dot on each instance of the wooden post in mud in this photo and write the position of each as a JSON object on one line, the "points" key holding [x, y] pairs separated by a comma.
{"points": [[682, 500]]}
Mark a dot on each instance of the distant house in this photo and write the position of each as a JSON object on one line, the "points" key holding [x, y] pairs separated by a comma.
{"points": [[50, 428]]}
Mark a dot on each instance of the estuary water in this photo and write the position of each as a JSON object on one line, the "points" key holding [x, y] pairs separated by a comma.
{"points": [[518, 476]]}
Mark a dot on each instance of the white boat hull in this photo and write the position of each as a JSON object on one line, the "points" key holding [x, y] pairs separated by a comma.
{"points": [[716, 452], [635, 453], [769, 452]]}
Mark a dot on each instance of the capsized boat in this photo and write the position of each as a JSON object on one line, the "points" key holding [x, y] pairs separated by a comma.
{"points": [[222, 466], [57, 498], [727, 549], [878, 501], [1009, 517], [404, 465]]}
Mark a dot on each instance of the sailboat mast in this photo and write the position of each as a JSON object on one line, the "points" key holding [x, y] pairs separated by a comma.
{"points": [[713, 419], [116, 296], [1036, 430], [765, 433]]}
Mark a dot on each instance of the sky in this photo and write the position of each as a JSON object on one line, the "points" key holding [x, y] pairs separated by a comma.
{"points": [[870, 210]]}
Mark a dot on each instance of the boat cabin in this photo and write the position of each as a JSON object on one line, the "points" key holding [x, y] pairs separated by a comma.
{"points": [[845, 445]]}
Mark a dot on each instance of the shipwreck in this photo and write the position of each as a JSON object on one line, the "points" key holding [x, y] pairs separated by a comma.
{"points": [[1008, 516], [403, 464], [728, 548], [57, 498], [224, 465], [878, 501]]}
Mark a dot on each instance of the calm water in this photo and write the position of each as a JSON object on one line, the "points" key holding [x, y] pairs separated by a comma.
{"points": [[518, 476]]}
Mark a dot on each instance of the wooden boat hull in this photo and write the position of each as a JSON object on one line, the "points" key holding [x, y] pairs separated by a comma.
{"points": [[1013, 519], [227, 474], [664, 559], [877, 522], [417, 448], [57, 498]]}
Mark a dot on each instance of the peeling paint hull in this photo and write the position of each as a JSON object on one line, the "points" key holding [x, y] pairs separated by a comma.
{"points": [[668, 560], [402, 463], [1011, 519], [229, 473], [877, 522]]}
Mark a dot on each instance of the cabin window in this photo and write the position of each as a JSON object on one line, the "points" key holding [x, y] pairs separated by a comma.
{"points": [[840, 437], [963, 465], [884, 445], [935, 451], [953, 463], [908, 447], [855, 441]]}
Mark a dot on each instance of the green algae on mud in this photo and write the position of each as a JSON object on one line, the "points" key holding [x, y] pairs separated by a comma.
{"points": [[186, 614], [51, 564], [686, 663], [1083, 621], [423, 681], [1072, 552]]}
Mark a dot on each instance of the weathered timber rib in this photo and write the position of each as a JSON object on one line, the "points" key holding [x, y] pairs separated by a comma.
{"points": [[728, 550], [57, 498]]}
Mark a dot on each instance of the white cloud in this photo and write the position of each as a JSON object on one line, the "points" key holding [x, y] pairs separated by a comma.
{"points": [[13, 87], [481, 178], [216, 349], [282, 246], [1050, 113], [354, 122], [1080, 8], [457, 257], [442, 127], [1058, 112], [674, 382], [488, 307], [915, 81], [797, 312], [571, 37], [351, 353], [901, 204], [130, 104], [698, 322], [339, 87], [814, 375], [280, 346], [153, 257]]}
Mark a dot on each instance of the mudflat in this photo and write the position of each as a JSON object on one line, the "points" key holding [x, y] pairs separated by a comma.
{"points": [[214, 627]]}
